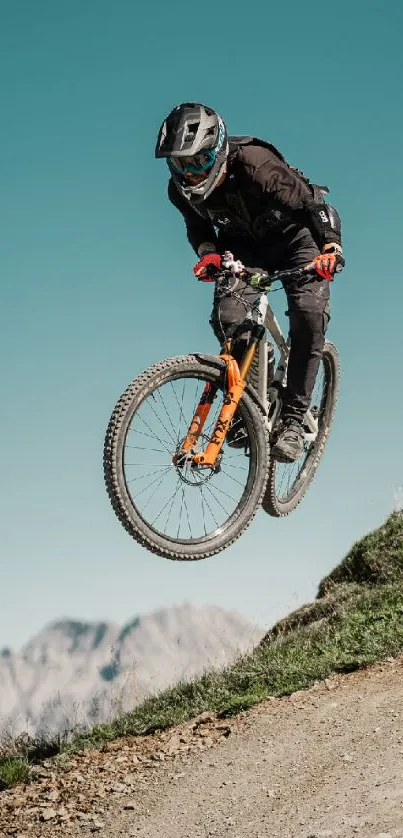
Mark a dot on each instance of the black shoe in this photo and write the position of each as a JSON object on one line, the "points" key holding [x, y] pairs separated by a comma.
{"points": [[237, 436], [289, 445]]}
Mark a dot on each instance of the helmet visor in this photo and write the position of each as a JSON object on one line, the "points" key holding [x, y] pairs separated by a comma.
{"points": [[193, 165]]}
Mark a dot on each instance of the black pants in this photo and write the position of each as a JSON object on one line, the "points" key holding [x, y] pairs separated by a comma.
{"points": [[308, 310]]}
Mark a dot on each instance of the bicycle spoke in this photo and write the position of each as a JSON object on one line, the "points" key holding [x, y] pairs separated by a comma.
{"points": [[187, 513], [181, 406], [141, 448], [232, 478], [231, 465], [152, 496], [149, 474], [160, 420], [171, 507], [160, 465], [143, 433], [217, 499], [149, 485], [209, 507], [181, 415], [222, 492], [180, 515], [154, 435], [167, 412], [170, 500], [203, 513]]}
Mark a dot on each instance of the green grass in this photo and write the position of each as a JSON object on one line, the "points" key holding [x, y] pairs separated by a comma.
{"points": [[356, 619], [13, 770]]}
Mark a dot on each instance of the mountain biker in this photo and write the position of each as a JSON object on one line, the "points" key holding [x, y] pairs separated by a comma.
{"points": [[239, 194]]}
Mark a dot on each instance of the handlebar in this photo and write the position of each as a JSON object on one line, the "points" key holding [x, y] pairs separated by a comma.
{"points": [[257, 277], [261, 280]]}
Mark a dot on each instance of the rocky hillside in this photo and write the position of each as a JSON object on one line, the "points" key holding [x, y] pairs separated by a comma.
{"points": [[75, 673]]}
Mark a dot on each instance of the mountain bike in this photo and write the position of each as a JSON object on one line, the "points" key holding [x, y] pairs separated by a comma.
{"points": [[179, 479]]}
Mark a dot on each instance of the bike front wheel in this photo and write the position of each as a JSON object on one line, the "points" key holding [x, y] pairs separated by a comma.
{"points": [[288, 482], [171, 507]]}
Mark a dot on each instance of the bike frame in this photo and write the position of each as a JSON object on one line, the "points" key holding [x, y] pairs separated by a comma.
{"points": [[255, 362]]}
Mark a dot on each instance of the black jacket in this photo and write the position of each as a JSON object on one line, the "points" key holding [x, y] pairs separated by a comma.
{"points": [[260, 199]]}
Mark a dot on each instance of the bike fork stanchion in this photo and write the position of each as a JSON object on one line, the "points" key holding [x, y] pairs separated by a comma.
{"points": [[236, 385], [199, 419]]}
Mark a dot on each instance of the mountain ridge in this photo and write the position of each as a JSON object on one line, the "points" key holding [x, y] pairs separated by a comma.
{"points": [[75, 672]]}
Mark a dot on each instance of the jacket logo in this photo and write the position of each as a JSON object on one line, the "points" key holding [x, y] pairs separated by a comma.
{"points": [[219, 218]]}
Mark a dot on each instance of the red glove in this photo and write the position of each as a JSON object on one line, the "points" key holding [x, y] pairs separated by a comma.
{"points": [[330, 260], [203, 270]]}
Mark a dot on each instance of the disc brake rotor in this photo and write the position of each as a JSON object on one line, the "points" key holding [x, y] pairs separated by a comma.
{"points": [[187, 471]]}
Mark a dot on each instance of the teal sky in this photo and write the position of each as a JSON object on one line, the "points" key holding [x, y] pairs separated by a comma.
{"points": [[97, 281]]}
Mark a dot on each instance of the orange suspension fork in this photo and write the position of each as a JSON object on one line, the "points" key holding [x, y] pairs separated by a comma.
{"points": [[199, 419], [236, 385]]}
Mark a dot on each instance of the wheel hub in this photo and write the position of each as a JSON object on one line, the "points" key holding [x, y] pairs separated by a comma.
{"points": [[187, 470]]}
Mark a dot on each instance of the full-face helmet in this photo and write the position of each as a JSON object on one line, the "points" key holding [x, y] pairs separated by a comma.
{"points": [[193, 139]]}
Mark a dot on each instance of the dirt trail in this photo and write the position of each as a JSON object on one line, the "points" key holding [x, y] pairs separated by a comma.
{"points": [[323, 763]]}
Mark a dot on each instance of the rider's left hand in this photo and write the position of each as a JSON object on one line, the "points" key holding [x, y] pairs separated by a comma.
{"points": [[331, 260]]}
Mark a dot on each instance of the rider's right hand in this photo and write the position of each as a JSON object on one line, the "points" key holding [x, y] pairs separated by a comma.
{"points": [[208, 265]]}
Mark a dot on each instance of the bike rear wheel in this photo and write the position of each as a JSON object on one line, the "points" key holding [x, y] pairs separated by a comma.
{"points": [[288, 482], [171, 508]]}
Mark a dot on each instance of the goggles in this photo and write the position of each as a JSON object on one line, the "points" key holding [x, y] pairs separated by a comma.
{"points": [[194, 165]]}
